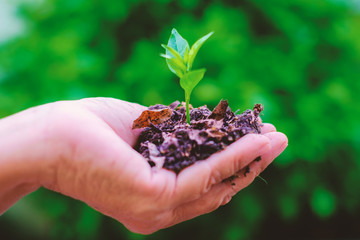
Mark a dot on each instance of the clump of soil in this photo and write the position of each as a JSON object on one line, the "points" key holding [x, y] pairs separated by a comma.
{"points": [[167, 141]]}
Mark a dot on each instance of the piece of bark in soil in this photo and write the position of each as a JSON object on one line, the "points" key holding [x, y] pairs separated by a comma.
{"points": [[219, 111], [181, 145]]}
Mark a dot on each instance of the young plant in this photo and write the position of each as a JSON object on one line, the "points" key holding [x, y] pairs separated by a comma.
{"points": [[180, 58]]}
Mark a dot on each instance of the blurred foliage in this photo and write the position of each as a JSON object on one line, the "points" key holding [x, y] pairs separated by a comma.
{"points": [[300, 58]]}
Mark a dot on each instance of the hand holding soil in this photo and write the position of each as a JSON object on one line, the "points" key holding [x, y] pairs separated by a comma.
{"points": [[84, 149]]}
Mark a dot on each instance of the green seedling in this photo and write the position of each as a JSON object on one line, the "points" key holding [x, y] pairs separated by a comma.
{"points": [[180, 58]]}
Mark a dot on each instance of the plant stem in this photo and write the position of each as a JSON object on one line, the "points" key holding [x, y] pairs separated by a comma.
{"points": [[187, 100]]}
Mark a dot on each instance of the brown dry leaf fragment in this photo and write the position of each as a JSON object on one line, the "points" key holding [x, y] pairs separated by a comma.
{"points": [[220, 110], [152, 116]]}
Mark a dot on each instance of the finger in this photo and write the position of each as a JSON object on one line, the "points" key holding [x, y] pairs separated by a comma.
{"points": [[278, 143], [118, 114], [222, 193], [197, 179], [207, 203], [267, 127]]}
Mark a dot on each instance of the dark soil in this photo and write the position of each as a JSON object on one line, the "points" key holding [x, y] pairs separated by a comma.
{"points": [[174, 144]]}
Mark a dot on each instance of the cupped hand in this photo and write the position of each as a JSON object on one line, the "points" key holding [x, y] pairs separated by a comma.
{"points": [[91, 142]]}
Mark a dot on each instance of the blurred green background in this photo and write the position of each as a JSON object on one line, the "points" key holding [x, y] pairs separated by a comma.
{"points": [[299, 58]]}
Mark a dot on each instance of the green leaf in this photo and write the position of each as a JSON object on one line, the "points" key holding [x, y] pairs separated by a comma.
{"points": [[176, 67], [195, 48], [186, 56], [191, 79], [178, 43], [165, 56], [174, 61], [171, 52]]}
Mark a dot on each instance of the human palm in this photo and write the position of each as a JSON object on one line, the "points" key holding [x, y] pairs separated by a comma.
{"points": [[94, 161]]}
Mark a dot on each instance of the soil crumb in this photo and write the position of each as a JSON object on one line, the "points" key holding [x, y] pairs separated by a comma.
{"points": [[173, 144]]}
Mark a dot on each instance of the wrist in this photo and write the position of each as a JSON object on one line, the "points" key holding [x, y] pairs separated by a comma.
{"points": [[23, 154]]}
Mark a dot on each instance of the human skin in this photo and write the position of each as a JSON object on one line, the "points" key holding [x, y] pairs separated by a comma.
{"points": [[84, 149]]}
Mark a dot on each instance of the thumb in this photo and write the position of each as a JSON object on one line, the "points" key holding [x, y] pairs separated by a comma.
{"points": [[117, 114]]}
